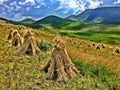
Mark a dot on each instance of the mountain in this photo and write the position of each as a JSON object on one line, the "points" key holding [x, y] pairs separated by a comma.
{"points": [[27, 21], [71, 17], [108, 15], [55, 21], [50, 22]]}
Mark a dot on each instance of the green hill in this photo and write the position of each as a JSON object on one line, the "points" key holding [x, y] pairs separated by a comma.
{"points": [[27, 22], [54, 21]]}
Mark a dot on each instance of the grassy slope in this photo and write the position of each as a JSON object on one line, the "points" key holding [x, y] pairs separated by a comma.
{"points": [[27, 22], [23, 72], [108, 36]]}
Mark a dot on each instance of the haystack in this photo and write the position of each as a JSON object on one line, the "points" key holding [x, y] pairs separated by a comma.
{"points": [[10, 35], [93, 44], [60, 67], [103, 46], [98, 47], [116, 50], [29, 45], [16, 39], [89, 45]]}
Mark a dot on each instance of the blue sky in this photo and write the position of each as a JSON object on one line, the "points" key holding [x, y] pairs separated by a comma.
{"points": [[36, 9]]}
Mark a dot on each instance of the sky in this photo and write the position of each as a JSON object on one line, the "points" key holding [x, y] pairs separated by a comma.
{"points": [[36, 9]]}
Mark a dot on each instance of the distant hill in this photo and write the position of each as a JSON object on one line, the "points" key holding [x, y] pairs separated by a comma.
{"points": [[54, 21], [108, 15], [71, 16], [27, 21], [8, 21], [50, 21]]}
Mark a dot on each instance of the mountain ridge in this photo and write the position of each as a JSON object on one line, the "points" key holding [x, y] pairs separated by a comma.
{"points": [[108, 15]]}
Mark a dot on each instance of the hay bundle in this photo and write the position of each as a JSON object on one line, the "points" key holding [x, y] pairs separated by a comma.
{"points": [[16, 40], [117, 50], [98, 47], [29, 45], [93, 44], [70, 40], [59, 67], [9, 37], [89, 45], [81, 42], [74, 42], [103, 46]]}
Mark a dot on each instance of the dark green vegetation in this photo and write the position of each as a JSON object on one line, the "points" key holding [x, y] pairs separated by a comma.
{"points": [[27, 22], [44, 46], [54, 21]]}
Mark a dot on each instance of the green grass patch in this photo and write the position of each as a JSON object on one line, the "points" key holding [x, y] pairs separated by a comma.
{"points": [[109, 79], [44, 46], [108, 37]]}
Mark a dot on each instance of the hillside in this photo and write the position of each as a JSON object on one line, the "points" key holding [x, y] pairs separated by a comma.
{"points": [[27, 22], [108, 15], [50, 23], [54, 21], [100, 69]]}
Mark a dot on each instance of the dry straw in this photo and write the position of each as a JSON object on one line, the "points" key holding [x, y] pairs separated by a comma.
{"points": [[98, 47], [60, 67], [29, 45], [116, 50], [16, 39]]}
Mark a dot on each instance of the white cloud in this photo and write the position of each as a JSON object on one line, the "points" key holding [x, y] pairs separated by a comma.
{"points": [[76, 5], [31, 1], [70, 4], [6, 6], [27, 8], [3, 14], [14, 6], [37, 6], [1, 1], [40, 1], [117, 2], [67, 4], [94, 4], [17, 16], [79, 5], [27, 1]]}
